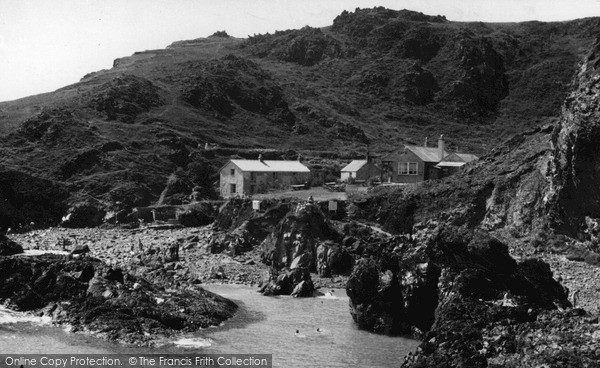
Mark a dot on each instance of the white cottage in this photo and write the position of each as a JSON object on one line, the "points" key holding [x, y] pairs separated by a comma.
{"points": [[239, 177]]}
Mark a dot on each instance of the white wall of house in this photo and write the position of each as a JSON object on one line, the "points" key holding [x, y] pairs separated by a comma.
{"points": [[234, 181], [231, 181]]}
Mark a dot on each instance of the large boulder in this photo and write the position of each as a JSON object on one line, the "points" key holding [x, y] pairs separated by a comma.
{"points": [[299, 232], [232, 243], [333, 259], [9, 247], [198, 214], [156, 257], [295, 282], [83, 215], [375, 298]]}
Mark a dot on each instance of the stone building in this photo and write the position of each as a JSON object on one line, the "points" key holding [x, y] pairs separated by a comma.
{"points": [[414, 163], [239, 177]]}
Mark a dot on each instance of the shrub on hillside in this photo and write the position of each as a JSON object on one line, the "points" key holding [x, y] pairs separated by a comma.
{"points": [[198, 214]]}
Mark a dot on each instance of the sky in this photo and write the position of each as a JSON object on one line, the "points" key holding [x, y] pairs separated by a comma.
{"points": [[48, 44]]}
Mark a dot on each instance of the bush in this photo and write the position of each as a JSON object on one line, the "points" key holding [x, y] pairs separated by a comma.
{"points": [[198, 214]]}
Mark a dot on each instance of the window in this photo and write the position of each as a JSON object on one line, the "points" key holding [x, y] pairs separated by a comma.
{"points": [[232, 172], [252, 188], [232, 188], [252, 176], [408, 168], [274, 175]]}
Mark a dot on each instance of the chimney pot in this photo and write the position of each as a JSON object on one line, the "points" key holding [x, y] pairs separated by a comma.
{"points": [[441, 147]]}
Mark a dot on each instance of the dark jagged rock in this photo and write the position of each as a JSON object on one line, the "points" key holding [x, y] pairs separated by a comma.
{"points": [[295, 282], [402, 291], [83, 215], [125, 97], [574, 191], [333, 259], [158, 257], [48, 125], [26, 198], [239, 227], [419, 86], [198, 214], [307, 46], [9, 247], [91, 296], [230, 82], [232, 243], [80, 249], [304, 261], [298, 232], [83, 160]]}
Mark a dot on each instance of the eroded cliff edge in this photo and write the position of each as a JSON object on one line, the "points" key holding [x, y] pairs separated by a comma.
{"points": [[451, 280]]}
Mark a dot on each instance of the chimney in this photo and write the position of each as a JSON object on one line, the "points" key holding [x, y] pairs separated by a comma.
{"points": [[368, 156], [441, 147], [260, 157], [426, 142]]}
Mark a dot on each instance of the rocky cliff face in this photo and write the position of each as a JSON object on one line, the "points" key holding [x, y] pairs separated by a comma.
{"points": [[575, 191], [471, 294], [299, 232], [545, 178]]}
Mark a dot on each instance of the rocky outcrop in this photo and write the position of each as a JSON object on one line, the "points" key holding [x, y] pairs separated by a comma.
{"points": [[298, 232], [333, 258], [406, 287], [83, 215], [306, 46], [239, 228], [26, 198], [233, 82], [91, 296], [125, 97], [9, 247], [575, 192], [198, 214], [295, 282]]}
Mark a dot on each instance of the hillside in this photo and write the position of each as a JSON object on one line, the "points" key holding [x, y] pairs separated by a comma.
{"points": [[375, 76], [481, 276]]}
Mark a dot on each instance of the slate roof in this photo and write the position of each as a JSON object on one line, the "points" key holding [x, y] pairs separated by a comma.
{"points": [[355, 165], [450, 164], [391, 157], [427, 154], [467, 157], [270, 165]]}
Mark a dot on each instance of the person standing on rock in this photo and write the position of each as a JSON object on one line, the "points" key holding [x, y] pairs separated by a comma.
{"points": [[575, 298]]}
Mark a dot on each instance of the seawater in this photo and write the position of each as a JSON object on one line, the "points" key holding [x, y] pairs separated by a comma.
{"points": [[263, 325]]}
